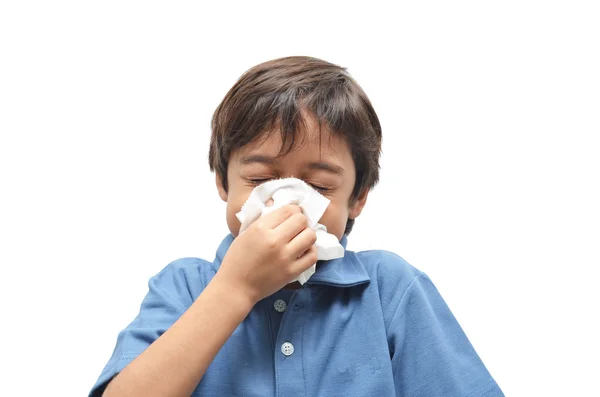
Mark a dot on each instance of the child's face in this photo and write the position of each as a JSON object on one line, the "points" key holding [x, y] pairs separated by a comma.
{"points": [[320, 159]]}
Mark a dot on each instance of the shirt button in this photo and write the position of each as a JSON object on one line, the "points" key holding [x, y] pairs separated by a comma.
{"points": [[280, 305], [287, 349]]}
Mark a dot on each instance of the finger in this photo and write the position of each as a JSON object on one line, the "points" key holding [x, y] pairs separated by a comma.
{"points": [[305, 261], [291, 227], [301, 243], [278, 216], [269, 202]]}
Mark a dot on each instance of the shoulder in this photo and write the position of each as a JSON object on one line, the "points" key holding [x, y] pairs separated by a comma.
{"points": [[184, 278], [391, 277], [186, 267], [385, 267]]}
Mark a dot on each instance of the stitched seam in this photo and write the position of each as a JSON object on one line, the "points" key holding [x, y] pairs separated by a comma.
{"points": [[486, 393], [334, 283], [352, 259], [273, 341], [172, 299], [308, 304], [489, 392], [402, 301], [276, 371], [398, 308], [124, 356], [121, 357]]}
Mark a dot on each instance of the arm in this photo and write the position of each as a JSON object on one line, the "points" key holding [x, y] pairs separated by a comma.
{"points": [[431, 355], [274, 250], [174, 364]]}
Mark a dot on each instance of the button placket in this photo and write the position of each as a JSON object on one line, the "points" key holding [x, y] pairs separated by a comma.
{"points": [[288, 358]]}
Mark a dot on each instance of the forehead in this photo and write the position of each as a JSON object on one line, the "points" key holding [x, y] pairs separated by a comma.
{"points": [[312, 142]]}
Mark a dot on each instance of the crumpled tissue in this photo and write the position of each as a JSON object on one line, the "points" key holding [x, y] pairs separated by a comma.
{"points": [[313, 204]]}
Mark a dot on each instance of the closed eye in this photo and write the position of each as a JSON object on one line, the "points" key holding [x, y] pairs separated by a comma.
{"points": [[258, 181], [318, 188]]}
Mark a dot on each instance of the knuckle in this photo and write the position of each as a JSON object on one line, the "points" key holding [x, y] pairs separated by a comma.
{"points": [[287, 272], [271, 241], [313, 255], [300, 217], [294, 209], [288, 210], [313, 236], [281, 256], [258, 225]]}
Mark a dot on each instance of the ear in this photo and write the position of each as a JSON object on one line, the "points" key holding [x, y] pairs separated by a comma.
{"points": [[358, 205], [221, 187]]}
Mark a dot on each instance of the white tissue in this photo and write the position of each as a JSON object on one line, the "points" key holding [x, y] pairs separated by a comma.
{"points": [[313, 205]]}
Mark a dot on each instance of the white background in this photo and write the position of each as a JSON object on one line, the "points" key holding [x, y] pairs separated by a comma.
{"points": [[489, 182]]}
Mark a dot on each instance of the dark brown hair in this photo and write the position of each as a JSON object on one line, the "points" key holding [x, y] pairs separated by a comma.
{"points": [[277, 93]]}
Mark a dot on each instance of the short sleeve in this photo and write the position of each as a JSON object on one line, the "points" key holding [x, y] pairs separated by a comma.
{"points": [[431, 355], [168, 297]]}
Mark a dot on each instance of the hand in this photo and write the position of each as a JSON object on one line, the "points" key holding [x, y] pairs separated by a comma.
{"points": [[274, 250]]}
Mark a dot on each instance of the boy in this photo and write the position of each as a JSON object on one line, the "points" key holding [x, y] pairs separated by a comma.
{"points": [[366, 324]]}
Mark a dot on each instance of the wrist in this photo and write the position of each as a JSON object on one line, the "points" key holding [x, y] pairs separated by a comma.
{"points": [[232, 293]]}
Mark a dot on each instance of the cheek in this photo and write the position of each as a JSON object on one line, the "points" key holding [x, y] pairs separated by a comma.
{"points": [[232, 221], [235, 200], [335, 218]]}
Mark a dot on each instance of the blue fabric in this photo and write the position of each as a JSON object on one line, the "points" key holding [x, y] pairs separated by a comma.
{"points": [[367, 324]]}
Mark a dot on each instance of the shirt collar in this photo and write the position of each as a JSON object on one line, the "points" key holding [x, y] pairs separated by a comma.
{"points": [[347, 271]]}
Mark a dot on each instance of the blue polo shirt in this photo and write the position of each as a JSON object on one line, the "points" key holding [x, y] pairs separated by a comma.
{"points": [[368, 324]]}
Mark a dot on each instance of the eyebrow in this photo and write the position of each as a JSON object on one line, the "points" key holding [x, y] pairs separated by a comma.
{"points": [[257, 159], [332, 168]]}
